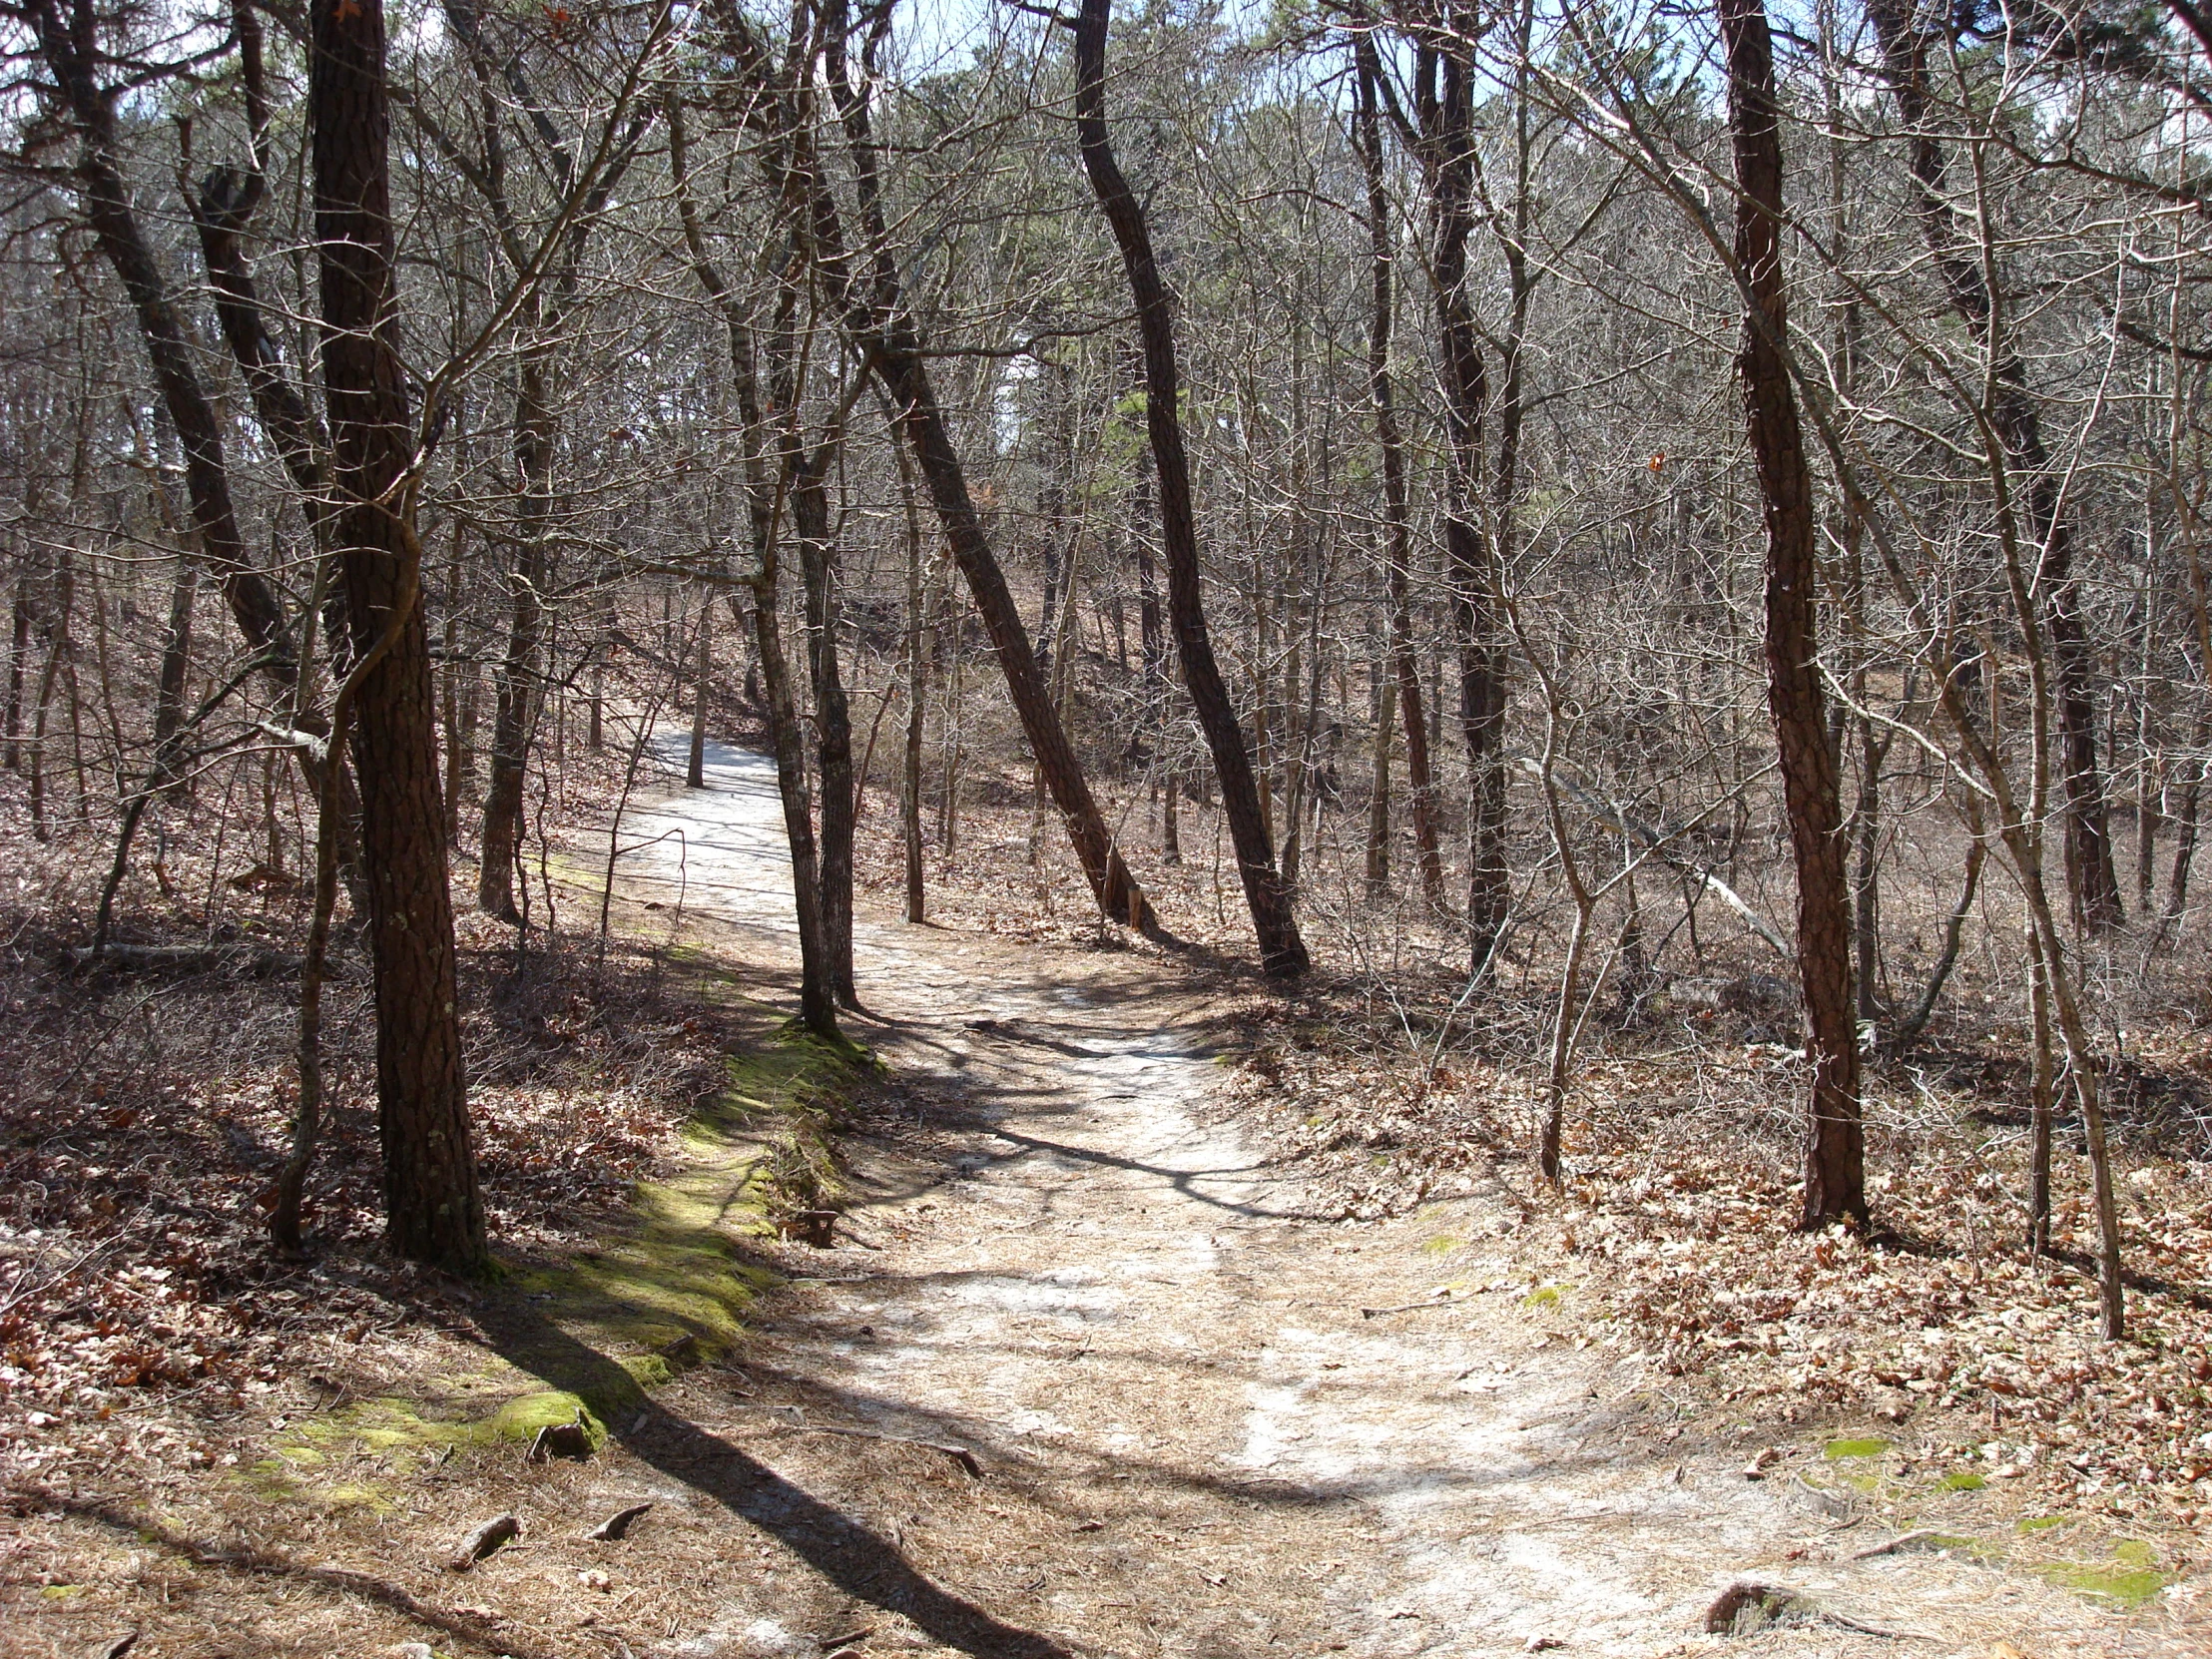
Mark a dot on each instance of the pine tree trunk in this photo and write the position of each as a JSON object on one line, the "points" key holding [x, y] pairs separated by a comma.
{"points": [[432, 1208], [1835, 1160]]}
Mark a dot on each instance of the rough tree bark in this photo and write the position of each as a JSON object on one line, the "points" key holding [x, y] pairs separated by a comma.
{"points": [[1282, 951], [434, 1211], [1835, 1153]]}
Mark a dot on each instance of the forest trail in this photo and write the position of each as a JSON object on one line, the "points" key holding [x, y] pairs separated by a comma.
{"points": [[1192, 1441]]}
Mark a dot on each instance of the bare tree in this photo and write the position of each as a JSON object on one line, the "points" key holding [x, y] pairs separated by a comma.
{"points": [[1282, 951]]}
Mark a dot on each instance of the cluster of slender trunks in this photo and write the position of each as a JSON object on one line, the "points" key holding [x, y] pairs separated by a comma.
{"points": [[368, 749]]}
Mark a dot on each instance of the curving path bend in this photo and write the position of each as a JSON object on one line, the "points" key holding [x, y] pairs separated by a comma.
{"points": [[1192, 1442]]}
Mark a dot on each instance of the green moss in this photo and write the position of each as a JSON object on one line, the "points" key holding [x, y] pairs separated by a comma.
{"points": [[2040, 1523], [384, 1425], [2121, 1585], [1544, 1295], [63, 1592], [1857, 1449], [2133, 1552], [1964, 1480], [1441, 1245], [672, 1286], [753, 1155], [270, 1477], [521, 1418], [372, 1498], [650, 1370], [1959, 1544]]}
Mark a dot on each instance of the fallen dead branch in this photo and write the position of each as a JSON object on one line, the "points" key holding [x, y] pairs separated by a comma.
{"points": [[190, 958], [617, 1525], [959, 1453], [500, 1529], [1410, 1307]]}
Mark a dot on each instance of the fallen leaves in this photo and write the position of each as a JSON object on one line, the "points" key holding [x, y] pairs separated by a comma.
{"points": [[1681, 1197]]}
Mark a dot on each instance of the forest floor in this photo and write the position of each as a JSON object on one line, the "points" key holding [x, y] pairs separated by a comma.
{"points": [[1088, 1369]]}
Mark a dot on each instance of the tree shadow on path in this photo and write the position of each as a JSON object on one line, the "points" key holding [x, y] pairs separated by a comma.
{"points": [[845, 1554]]}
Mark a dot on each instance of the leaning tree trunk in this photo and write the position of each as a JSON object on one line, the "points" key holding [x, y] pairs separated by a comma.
{"points": [[1282, 951], [873, 312], [1835, 1157], [434, 1211], [108, 208]]}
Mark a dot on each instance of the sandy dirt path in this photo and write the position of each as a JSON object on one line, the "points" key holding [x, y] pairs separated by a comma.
{"points": [[1066, 1259]]}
